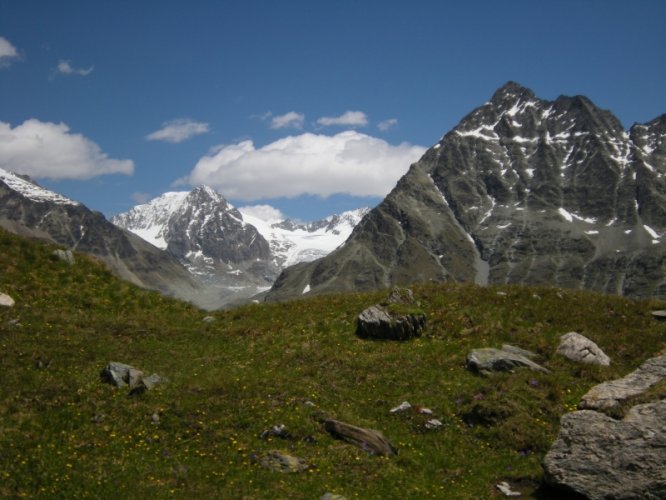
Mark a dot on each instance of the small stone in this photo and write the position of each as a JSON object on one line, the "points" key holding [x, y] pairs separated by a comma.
{"points": [[332, 496], [208, 319], [116, 374], [279, 431], [6, 300], [424, 411], [506, 490], [281, 462], [433, 424], [155, 418], [404, 406]]}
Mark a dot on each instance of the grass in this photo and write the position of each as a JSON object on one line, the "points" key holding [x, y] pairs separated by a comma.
{"points": [[65, 434]]}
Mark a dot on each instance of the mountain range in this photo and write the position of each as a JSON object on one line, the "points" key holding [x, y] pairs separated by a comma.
{"points": [[236, 255], [524, 191]]}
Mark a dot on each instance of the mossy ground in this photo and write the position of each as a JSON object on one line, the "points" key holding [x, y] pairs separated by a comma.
{"points": [[65, 434]]}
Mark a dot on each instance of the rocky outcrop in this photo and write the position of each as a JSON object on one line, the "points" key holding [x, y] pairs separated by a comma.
{"points": [[599, 456], [489, 360], [577, 347], [610, 395], [523, 191]]}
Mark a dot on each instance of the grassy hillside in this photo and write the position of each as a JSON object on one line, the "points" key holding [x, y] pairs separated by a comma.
{"points": [[65, 434]]}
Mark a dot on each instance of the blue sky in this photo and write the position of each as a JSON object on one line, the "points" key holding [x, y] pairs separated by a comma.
{"points": [[312, 107]]}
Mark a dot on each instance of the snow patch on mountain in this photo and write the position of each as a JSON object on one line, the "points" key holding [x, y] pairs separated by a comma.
{"points": [[32, 191], [292, 242]]}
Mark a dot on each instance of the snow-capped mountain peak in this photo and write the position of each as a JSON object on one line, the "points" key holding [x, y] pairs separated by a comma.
{"points": [[32, 191]]}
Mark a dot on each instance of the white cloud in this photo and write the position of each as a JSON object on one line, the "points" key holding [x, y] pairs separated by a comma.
{"points": [[8, 52], [50, 150], [291, 119], [347, 119], [65, 68], [387, 124], [264, 212], [140, 197], [175, 131], [348, 162]]}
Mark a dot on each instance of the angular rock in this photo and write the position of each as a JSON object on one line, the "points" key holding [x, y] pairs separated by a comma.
{"points": [[579, 348], [404, 406], [433, 424], [488, 360], [660, 314], [609, 395], [6, 300], [376, 322], [366, 439], [506, 490], [118, 374], [600, 457], [64, 255], [208, 319], [281, 462]]}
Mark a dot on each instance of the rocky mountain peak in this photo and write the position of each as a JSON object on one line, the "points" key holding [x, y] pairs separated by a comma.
{"points": [[522, 190]]}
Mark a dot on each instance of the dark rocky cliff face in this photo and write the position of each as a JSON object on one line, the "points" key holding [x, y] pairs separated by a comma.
{"points": [[523, 190], [75, 227]]}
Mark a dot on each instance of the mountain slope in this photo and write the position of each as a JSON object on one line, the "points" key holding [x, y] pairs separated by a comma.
{"points": [[522, 190], [65, 434], [236, 254], [29, 210]]}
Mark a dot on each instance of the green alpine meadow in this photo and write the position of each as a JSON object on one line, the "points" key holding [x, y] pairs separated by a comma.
{"points": [[240, 387]]}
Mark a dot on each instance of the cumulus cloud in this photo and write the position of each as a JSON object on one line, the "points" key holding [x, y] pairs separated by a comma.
{"points": [[65, 68], [349, 162], [8, 52], [291, 119], [175, 131], [387, 124], [263, 212], [347, 119], [50, 150]]}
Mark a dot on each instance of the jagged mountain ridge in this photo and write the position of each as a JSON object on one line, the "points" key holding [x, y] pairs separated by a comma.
{"points": [[238, 254], [29, 210], [522, 190]]}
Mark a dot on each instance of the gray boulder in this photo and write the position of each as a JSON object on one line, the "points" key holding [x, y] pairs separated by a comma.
{"points": [[65, 256], [579, 348], [122, 375], [610, 395], [6, 300], [376, 322], [488, 360], [366, 439], [660, 314], [600, 457]]}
